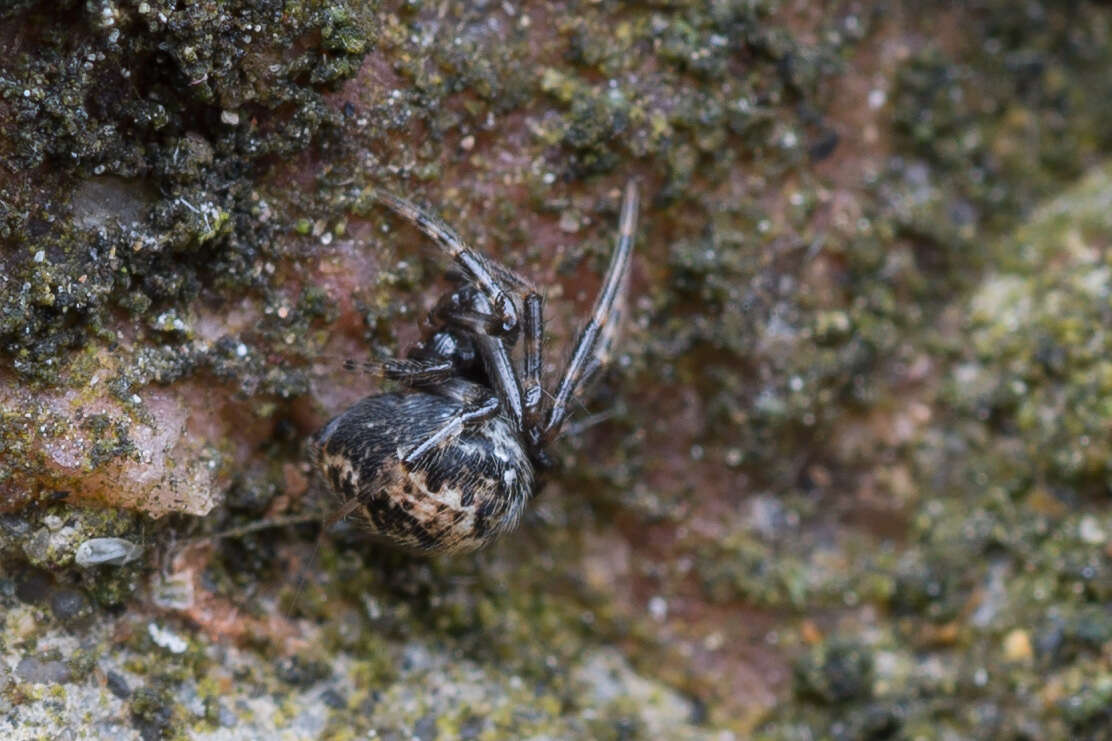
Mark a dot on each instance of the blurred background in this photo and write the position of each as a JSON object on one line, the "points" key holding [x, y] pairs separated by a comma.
{"points": [[848, 477]]}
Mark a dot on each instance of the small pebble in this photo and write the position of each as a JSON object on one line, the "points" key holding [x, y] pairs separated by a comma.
{"points": [[70, 605], [117, 685], [32, 587], [37, 671], [106, 552], [1017, 646], [333, 699]]}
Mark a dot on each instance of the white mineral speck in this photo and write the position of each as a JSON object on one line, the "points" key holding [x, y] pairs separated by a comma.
{"points": [[167, 639], [1090, 531]]}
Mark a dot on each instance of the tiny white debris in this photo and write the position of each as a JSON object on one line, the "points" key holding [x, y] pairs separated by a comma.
{"points": [[877, 98], [508, 476], [714, 641], [167, 639], [658, 608], [569, 222], [40, 256], [1090, 531], [135, 399], [106, 552], [230, 117], [241, 350]]}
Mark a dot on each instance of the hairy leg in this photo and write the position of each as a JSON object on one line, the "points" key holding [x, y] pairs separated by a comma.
{"points": [[592, 345]]}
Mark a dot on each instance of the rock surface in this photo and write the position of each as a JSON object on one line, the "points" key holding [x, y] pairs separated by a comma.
{"points": [[849, 475]]}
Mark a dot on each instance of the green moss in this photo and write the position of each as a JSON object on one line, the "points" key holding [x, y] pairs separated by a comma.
{"points": [[153, 711], [1004, 584], [146, 103], [835, 674]]}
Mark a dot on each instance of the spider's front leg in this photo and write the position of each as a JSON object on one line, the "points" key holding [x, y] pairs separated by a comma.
{"points": [[466, 310], [488, 279], [533, 328], [592, 347], [463, 310]]}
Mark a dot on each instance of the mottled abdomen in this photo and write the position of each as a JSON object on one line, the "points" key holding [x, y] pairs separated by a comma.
{"points": [[456, 497]]}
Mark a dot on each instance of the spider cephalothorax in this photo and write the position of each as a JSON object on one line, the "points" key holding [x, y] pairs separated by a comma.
{"points": [[448, 463]]}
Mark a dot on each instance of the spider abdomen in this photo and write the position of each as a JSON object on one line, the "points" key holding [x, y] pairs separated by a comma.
{"points": [[457, 496]]}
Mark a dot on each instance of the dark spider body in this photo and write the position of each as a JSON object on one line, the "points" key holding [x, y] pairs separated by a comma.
{"points": [[456, 497], [449, 463]]}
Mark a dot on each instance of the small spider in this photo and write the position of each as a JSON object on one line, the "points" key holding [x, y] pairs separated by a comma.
{"points": [[448, 463]]}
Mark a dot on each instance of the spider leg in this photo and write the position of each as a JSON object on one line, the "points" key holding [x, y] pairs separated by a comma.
{"points": [[474, 266], [450, 312], [465, 310], [593, 344], [533, 326], [476, 411], [407, 371]]}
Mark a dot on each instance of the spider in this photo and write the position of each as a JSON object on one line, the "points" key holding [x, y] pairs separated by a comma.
{"points": [[448, 463]]}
